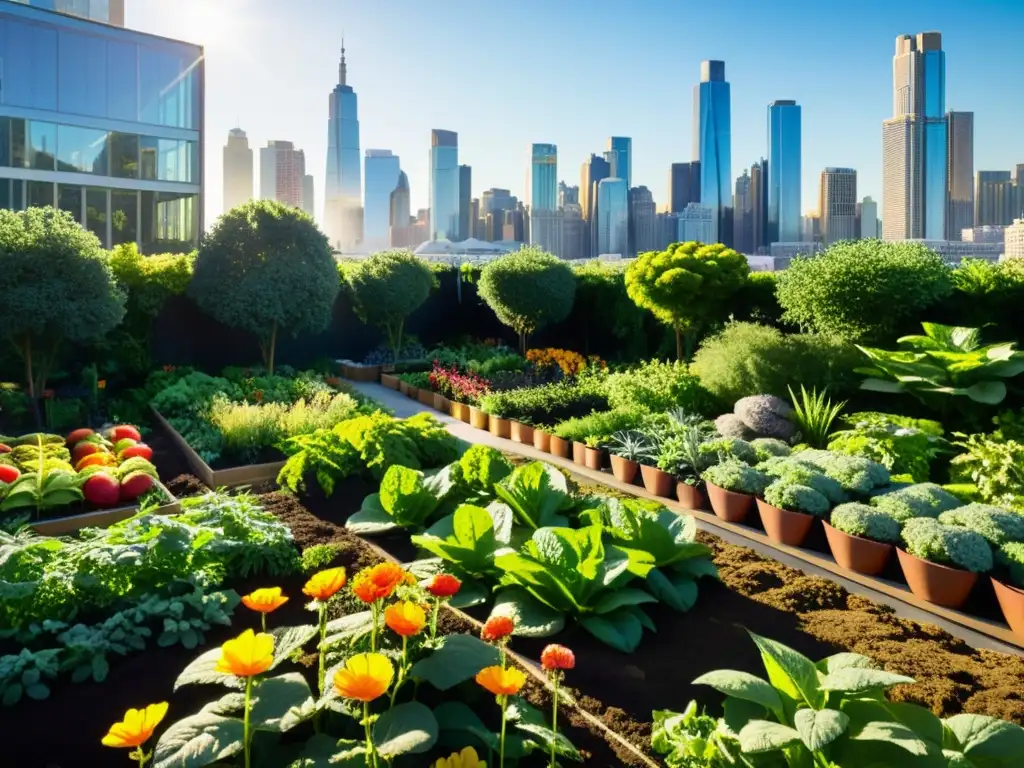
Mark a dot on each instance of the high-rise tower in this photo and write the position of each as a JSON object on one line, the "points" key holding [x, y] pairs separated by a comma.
{"points": [[784, 146], [591, 174], [444, 185], [382, 174], [712, 146], [837, 204], [343, 215], [543, 177], [237, 169], [960, 173]]}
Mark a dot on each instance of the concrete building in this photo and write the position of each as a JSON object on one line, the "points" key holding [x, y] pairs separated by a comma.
{"points": [[683, 185], [592, 173], [282, 173], [381, 171], [567, 195], [103, 122], [960, 173], [784, 171], [547, 231], [837, 204], [868, 219], [990, 233], [955, 251], [612, 217], [811, 227], [998, 197], [575, 236], [493, 204], [445, 180], [413, 234], [759, 206], [308, 195], [696, 222], [400, 218], [1014, 240], [465, 202], [743, 216], [238, 170], [343, 194], [643, 220], [712, 146]]}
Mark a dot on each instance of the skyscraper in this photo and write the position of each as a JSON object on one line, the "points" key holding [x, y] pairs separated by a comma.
{"points": [[543, 177], [282, 173], [619, 154], [759, 205], [683, 185], [837, 204], [308, 203], [997, 199], [784, 148], [592, 172], [237, 169], [465, 202], [382, 174], [712, 146], [914, 143], [444, 185], [612, 217], [644, 220], [960, 173], [869, 219], [567, 195], [343, 193], [493, 204], [743, 215]]}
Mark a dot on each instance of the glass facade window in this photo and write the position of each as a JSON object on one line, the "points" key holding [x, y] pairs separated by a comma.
{"points": [[935, 187], [444, 186], [29, 55], [382, 172], [169, 221], [124, 155], [122, 80], [82, 149], [38, 194], [784, 188], [69, 198], [82, 67], [124, 217], [713, 136], [168, 88], [97, 211], [544, 177], [612, 217], [42, 146], [934, 83]]}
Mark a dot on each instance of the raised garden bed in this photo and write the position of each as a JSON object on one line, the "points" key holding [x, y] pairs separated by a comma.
{"points": [[102, 518]]}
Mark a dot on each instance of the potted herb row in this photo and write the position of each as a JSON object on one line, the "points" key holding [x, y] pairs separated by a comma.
{"points": [[627, 448], [941, 563], [861, 537], [732, 486], [1010, 592]]}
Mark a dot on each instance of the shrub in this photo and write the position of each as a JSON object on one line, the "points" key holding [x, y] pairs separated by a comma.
{"points": [[998, 526], [56, 285], [756, 301], [929, 539], [267, 269], [726, 448], [736, 476], [749, 359], [863, 290], [687, 285], [548, 404], [766, 447], [921, 500], [1011, 557], [995, 466], [814, 414], [387, 288], [601, 425], [866, 522], [799, 474], [318, 557], [603, 311], [902, 445], [766, 416], [527, 290], [794, 497], [854, 474], [659, 387]]}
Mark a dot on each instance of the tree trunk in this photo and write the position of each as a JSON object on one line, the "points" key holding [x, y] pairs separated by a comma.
{"points": [[522, 343], [269, 354], [679, 343], [397, 340], [30, 380]]}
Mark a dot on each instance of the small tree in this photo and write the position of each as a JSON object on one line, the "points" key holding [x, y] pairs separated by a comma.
{"points": [[266, 268], [387, 288], [527, 290], [686, 285], [56, 284]]}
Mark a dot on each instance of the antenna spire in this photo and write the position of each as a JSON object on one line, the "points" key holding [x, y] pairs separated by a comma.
{"points": [[342, 69]]}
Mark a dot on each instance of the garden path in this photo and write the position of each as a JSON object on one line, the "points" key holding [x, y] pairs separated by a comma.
{"points": [[404, 407]]}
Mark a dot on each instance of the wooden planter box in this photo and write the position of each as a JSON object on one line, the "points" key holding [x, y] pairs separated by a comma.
{"points": [[221, 478], [358, 372], [389, 380], [101, 518], [425, 397]]}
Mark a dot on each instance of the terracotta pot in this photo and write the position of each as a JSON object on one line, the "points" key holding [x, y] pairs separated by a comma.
{"points": [[624, 469], [333, 381], [460, 411], [857, 553], [477, 418], [560, 447], [1011, 600], [784, 526], [389, 381], [413, 393], [690, 496], [522, 433], [426, 397], [579, 453], [541, 440], [593, 458], [403, 386], [728, 505], [656, 481], [441, 403], [939, 584], [500, 427]]}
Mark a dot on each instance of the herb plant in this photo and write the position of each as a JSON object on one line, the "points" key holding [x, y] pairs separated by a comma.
{"points": [[814, 414], [735, 476], [865, 521], [929, 539]]}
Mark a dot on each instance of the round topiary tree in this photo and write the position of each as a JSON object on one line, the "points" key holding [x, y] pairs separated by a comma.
{"points": [[863, 290], [266, 268], [527, 290], [687, 284], [56, 285], [387, 288]]}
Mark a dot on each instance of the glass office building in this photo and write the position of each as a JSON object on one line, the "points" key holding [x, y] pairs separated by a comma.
{"points": [[612, 217], [935, 143], [619, 154], [382, 172], [543, 177], [343, 182], [712, 139], [444, 185], [104, 123], [107, 11], [784, 172]]}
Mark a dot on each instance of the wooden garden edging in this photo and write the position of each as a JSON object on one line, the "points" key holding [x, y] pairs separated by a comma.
{"points": [[103, 518]]}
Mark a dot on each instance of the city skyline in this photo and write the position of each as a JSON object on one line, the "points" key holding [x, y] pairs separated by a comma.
{"points": [[653, 108]]}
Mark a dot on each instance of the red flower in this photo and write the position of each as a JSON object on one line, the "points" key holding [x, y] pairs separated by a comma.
{"points": [[497, 628], [443, 585], [557, 657]]}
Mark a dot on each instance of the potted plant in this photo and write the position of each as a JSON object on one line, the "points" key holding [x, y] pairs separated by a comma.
{"points": [[466, 390], [389, 380], [541, 438], [628, 448], [861, 537], [788, 510], [1010, 593], [594, 454], [579, 452], [941, 562], [656, 479], [731, 487], [478, 418], [560, 447], [499, 425], [681, 456]]}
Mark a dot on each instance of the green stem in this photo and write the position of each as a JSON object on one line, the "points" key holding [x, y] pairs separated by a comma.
{"points": [[323, 651], [371, 757], [263, 621], [554, 720], [245, 719], [501, 748], [373, 633], [433, 618], [401, 671]]}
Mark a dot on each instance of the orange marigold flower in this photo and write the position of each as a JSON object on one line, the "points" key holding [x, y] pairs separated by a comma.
{"points": [[379, 581], [247, 655], [501, 682], [265, 600], [443, 585], [497, 627], [324, 584], [557, 656], [405, 618], [136, 727], [366, 676]]}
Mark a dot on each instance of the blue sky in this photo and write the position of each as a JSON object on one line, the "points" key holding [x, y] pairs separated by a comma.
{"points": [[573, 73]]}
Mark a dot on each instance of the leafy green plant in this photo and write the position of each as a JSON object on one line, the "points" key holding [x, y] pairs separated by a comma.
{"points": [[631, 445], [902, 445], [684, 455], [538, 495], [1011, 557], [26, 673], [998, 526], [407, 499], [920, 500], [50, 483], [794, 497], [387, 288], [477, 471], [767, 447], [547, 404], [691, 739], [929, 539], [657, 386], [865, 521], [318, 557], [855, 474], [686, 285], [267, 269], [601, 425], [527, 290], [814, 413], [795, 473], [733, 475], [995, 466], [724, 448]]}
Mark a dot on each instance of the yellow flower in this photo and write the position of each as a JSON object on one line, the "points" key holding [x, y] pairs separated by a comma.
{"points": [[366, 676], [323, 585], [264, 600], [405, 618], [467, 758], [501, 682], [247, 655], [136, 728]]}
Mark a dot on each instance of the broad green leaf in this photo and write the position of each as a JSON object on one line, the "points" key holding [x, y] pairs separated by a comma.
{"points": [[765, 736], [349, 628], [619, 629], [533, 723], [409, 728], [472, 592], [838, 661], [537, 494], [790, 672], [532, 618], [697, 567], [881, 385], [473, 527], [609, 601], [458, 718], [371, 522], [202, 670], [892, 733], [676, 590], [282, 702], [986, 741], [198, 741], [987, 392], [736, 713], [860, 679], [458, 659], [742, 685], [819, 728], [287, 640], [502, 517]]}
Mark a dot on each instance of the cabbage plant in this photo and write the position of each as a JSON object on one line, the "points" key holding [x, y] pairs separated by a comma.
{"points": [[407, 498]]}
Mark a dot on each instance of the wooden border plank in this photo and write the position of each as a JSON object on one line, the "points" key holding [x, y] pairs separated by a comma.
{"points": [[102, 518]]}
